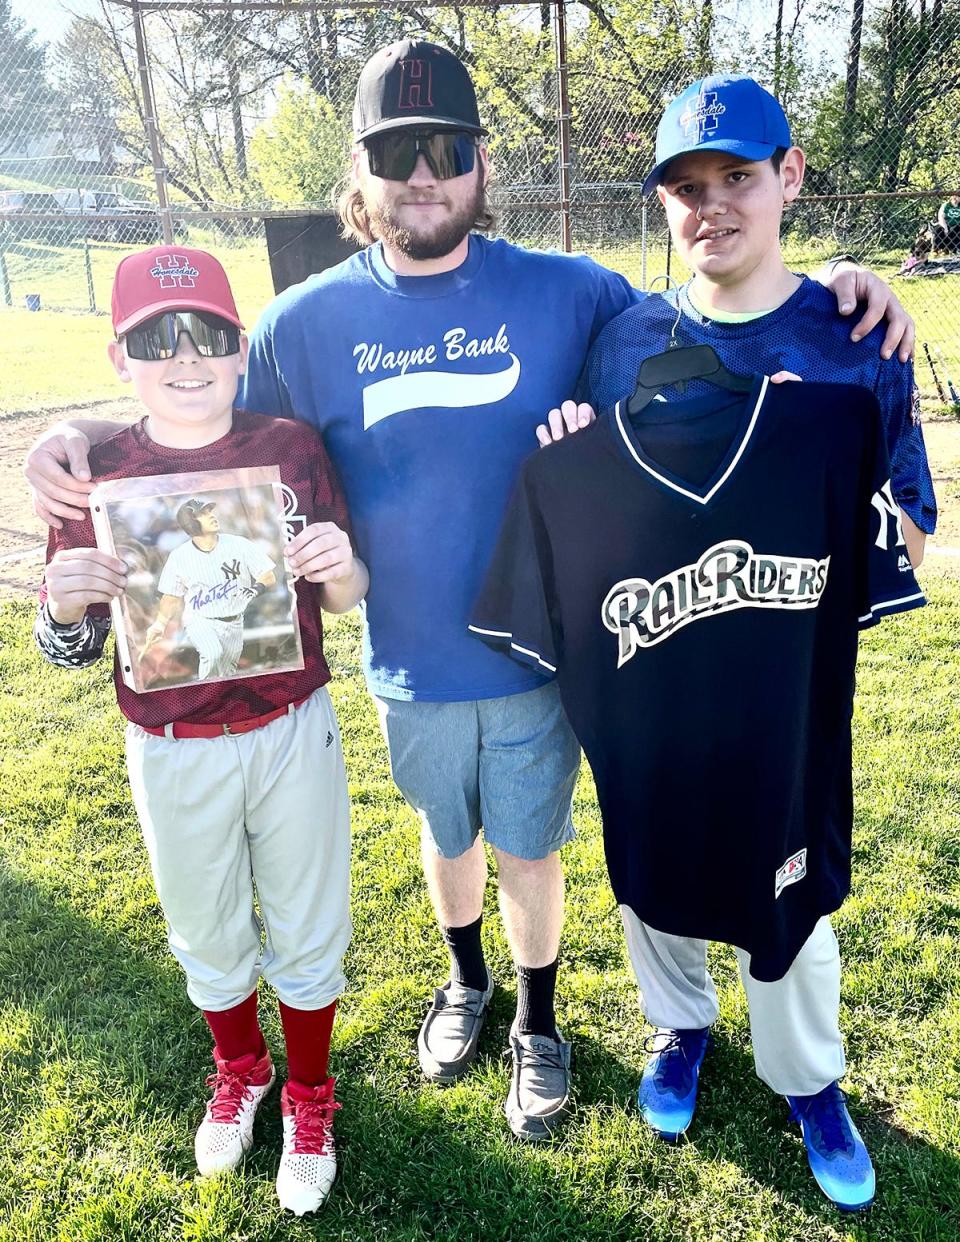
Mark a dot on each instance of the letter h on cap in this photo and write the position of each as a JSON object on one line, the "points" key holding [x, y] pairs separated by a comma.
{"points": [[702, 118], [173, 270], [415, 84]]}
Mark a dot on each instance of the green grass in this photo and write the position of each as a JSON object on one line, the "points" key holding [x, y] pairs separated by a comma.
{"points": [[55, 360], [103, 1058], [79, 372], [59, 273]]}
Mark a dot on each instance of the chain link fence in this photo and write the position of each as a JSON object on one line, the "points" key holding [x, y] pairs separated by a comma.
{"points": [[118, 114]]}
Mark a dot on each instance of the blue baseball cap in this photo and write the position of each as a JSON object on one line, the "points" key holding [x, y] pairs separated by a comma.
{"points": [[722, 113]]}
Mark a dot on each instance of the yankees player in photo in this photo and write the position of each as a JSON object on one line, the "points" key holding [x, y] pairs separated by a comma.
{"points": [[239, 785], [725, 168], [427, 362], [207, 583]]}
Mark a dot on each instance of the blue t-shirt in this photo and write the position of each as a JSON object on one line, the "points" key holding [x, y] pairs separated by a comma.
{"points": [[806, 335], [428, 391]]}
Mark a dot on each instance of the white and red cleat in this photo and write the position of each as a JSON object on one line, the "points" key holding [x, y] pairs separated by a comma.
{"points": [[226, 1132], [309, 1161]]}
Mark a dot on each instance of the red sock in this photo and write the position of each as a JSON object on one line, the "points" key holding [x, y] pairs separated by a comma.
{"points": [[236, 1031], [307, 1032]]}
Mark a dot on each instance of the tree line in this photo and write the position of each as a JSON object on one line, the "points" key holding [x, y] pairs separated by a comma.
{"points": [[254, 107]]}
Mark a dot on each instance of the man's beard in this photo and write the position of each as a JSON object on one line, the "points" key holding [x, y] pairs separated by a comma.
{"points": [[438, 243]]}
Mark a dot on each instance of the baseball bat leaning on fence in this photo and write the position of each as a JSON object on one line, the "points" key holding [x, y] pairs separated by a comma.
{"points": [[933, 372], [946, 371]]}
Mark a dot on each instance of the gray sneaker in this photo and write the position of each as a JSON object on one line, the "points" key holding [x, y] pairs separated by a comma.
{"points": [[539, 1096], [447, 1042]]}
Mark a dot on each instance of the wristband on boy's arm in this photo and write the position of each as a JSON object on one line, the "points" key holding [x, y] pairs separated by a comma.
{"points": [[70, 646]]}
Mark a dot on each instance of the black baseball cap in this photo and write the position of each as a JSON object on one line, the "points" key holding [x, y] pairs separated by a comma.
{"points": [[414, 82]]}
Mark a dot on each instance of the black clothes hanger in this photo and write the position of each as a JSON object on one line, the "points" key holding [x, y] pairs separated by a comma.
{"points": [[679, 364]]}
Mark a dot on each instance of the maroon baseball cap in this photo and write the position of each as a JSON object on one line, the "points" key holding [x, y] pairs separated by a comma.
{"points": [[169, 278]]}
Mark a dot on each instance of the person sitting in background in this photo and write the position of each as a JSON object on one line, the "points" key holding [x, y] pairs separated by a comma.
{"points": [[919, 252]]}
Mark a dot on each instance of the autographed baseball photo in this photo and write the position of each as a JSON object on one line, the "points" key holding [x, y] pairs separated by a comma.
{"points": [[209, 597]]}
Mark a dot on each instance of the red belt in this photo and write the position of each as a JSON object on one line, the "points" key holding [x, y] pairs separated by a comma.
{"points": [[181, 729]]}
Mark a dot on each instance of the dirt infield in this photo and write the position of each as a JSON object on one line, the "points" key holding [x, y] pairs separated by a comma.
{"points": [[22, 534]]}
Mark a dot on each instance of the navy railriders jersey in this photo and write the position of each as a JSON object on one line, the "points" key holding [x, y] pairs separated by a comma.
{"points": [[697, 583], [806, 335]]}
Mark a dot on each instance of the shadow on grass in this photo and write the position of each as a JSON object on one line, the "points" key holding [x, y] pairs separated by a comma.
{"points": [[416, 1161], [111, 1014], [740, 1120]]}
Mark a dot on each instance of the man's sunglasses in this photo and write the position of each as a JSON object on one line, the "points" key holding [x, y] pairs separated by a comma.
{"points": [[157, 338], [449, 152]]}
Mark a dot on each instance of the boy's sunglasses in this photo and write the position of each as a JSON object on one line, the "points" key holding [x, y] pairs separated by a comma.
{"points": [[449, 152], [157, 338]]}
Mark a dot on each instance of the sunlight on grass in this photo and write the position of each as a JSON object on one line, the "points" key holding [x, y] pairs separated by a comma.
{"points": [[103, 1057]]}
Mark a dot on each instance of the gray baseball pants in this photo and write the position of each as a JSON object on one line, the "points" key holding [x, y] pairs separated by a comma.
{"points": [[794, 1023], [263, 815]]}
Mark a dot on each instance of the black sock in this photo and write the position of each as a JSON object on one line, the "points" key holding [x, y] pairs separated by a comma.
{"points": [[466, 955], [536, 986]]}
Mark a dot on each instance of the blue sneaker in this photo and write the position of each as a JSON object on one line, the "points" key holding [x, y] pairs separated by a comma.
{"points": [[667, 1095], [838, 1158]]}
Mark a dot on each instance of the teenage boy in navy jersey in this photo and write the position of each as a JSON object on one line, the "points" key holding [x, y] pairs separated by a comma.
{"points": [[725, 168]]}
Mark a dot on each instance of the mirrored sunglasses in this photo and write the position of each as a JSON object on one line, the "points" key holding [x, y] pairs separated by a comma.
{"points": [[449, 152], [157, 338]]}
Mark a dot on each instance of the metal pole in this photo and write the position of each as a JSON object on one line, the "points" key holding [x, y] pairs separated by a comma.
{"points": [[306, 6], [4, 277], [81, 212], [150, 124], [91, 294], [563, 119]]}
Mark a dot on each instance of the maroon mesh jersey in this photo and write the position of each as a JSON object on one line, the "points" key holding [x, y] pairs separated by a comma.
{"points": [[254, 440]]}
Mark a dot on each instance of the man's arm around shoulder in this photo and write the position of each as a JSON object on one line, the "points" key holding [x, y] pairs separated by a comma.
{"points": [[58, 468]]}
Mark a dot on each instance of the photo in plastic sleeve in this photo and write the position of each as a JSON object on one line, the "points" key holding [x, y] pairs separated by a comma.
{"points": [[208, 597]]}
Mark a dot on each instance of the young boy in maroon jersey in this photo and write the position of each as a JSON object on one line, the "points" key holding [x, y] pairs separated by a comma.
{"points": [[236, 782]]}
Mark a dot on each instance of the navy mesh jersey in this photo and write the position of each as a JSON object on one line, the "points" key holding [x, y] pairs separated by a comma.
{"points": [[806, 335], [698, 583]]}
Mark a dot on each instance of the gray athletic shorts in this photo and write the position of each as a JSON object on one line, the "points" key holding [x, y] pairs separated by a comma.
{"points": [[508, 765]]}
